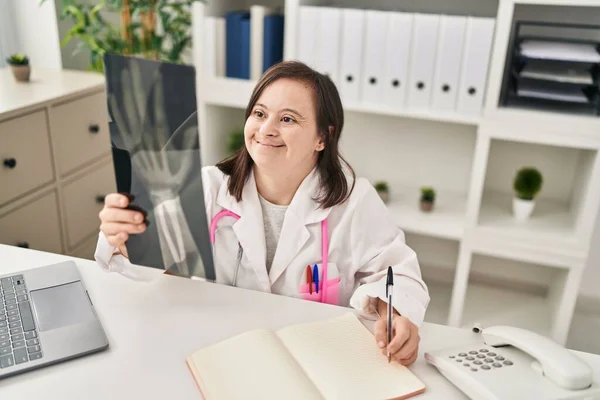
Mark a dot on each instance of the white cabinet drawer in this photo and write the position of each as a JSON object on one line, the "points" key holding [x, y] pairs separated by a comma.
{"points": [[25, 161], [79, 129], [82, 206], [34, 225], [87, 249]]}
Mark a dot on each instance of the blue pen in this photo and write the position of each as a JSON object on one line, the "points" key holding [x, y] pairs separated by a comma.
{"points": [[316, 277]]}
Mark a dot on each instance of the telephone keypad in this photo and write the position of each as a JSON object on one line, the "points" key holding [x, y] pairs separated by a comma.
{"points": [[482, 359]]}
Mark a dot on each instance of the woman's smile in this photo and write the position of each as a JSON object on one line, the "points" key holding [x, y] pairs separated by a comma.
{"points": [[265, 144]]}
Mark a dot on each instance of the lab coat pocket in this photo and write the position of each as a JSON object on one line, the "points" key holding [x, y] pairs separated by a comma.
{"points": [[329, 292]]}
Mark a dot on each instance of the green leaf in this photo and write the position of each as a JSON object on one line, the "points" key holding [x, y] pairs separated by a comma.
{"points": [[94, 13], [175, 53]]}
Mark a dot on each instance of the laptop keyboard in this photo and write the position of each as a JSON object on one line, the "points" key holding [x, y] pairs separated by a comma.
{"points": [[19, 341]]}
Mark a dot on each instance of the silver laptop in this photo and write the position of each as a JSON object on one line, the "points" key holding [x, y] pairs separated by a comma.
{"points": [[46, 316]]}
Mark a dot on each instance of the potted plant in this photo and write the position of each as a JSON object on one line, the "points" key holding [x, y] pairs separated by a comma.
{"points": [[427, 198], [527, 184], [152, 29], [19, 64], [383, 190], [235, 141]]}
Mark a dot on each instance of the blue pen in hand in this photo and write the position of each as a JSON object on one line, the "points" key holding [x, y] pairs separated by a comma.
{"points": [[316, 277]]}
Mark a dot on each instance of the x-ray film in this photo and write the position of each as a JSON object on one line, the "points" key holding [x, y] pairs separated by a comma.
{"points": [[156, 154]]}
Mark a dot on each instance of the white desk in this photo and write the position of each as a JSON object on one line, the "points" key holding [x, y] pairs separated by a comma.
{"points": [[152, 326]]}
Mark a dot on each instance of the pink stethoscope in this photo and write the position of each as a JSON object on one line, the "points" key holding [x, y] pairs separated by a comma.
{"points": [[324, 247]]}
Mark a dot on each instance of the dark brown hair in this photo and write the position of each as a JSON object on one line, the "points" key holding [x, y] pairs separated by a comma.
{"points": [[330, 121]]}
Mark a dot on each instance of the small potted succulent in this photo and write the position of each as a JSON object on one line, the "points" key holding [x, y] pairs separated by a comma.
{"points": [[19, 63], [427, 199], [383, 190], [235, 141], [527, 184]]}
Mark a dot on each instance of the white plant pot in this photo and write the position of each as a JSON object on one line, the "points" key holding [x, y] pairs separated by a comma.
{"points": [[522, 209]]}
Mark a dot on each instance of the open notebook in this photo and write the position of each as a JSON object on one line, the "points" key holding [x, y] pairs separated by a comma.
{"points": [[334, 359]]}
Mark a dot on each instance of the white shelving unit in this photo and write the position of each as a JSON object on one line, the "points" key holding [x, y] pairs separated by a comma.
{"points": [[471, 161]]}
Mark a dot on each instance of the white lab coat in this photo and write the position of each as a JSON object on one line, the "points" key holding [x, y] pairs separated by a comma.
{"points": [[363, 242]]}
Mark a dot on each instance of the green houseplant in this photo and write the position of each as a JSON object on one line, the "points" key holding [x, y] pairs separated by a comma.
{"points": [[153, 29], [235, 141], [526, 185], [427, 200], [19, 64], [383, 190]]}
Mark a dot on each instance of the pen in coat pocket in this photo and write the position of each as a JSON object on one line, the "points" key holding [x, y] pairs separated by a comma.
{"points": [[309, 278]]}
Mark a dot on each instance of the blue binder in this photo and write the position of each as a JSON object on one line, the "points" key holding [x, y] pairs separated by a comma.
{"points": [[237, 44], [272, 40]]}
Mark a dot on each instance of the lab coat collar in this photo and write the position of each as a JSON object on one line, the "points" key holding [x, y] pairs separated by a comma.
{"points": [[304, 203], [303, 210], [249, 229]]}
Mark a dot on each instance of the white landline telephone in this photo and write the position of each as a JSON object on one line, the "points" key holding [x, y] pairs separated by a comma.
{"points": [[516, 364]]}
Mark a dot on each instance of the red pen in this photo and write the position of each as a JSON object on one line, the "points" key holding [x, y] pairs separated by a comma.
{"points": [[309, 278]]}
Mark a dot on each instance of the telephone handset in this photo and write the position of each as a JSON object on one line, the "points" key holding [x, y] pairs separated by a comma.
{"points": [[557, 363], [514, 363]]}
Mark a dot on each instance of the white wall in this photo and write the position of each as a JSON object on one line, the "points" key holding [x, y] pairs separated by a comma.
{"points": [[37, 32], [8, 40]]}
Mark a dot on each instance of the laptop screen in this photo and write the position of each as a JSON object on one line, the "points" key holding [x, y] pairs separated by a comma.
{"points": [[156, 153]]}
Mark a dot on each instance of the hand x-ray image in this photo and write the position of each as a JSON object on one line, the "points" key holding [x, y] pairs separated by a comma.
{"points": [[156, 154]]}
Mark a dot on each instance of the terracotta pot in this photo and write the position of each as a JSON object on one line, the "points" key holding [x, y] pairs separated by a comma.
{"points": [[21, 72], [426, 205], [385, 196]]}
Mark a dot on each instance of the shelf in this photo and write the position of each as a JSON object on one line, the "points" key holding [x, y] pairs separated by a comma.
{"points": [[236, 93], [548, 237], [428, 115], [581, 131], [228, 92], [447, 220], [489, 305], [439, 305], [550, 220]]}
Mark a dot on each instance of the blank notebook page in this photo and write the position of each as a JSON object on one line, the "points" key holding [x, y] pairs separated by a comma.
{"points": [[342, 359], [254, 365]]}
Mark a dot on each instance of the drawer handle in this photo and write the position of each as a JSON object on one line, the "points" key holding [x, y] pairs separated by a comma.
{"points": [[100, 199], [10, 163], [24, 245], [94, 128]]}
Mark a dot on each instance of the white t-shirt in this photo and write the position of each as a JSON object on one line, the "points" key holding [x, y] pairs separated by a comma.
{"points": [[273, 216]]}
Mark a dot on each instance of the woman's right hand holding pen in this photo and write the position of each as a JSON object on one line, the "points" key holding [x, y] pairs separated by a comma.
{"points": [[404, 347]]}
